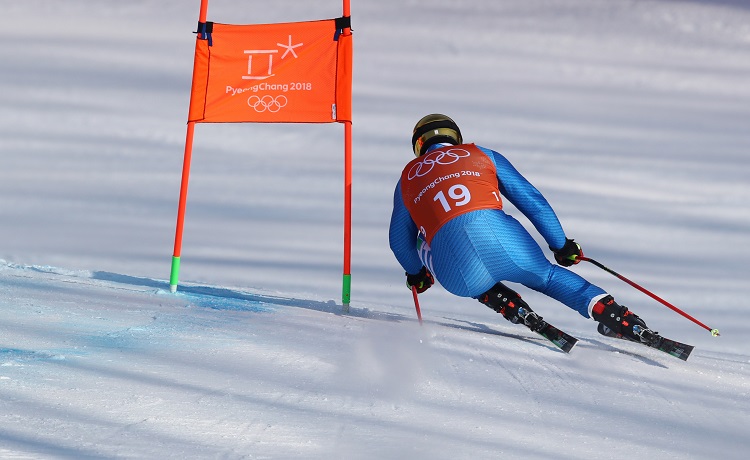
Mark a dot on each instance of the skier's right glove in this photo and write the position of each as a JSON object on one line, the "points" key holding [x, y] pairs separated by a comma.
{"points": [[422, 280], [568, 254]]}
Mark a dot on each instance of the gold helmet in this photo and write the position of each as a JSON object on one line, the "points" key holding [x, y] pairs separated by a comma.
{"points": [[433, 129]]}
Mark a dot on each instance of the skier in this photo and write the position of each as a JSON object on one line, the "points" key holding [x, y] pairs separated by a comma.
{"points": [[448, 220]]}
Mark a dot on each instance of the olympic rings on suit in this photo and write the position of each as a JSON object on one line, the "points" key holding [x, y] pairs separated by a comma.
{"points": [[445, 157]]}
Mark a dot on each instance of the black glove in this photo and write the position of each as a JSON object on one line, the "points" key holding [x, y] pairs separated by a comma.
{"points": [[422, 280], [568, 254]]}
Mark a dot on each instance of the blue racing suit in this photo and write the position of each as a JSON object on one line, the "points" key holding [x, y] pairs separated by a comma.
{"points": [[473, 251]]}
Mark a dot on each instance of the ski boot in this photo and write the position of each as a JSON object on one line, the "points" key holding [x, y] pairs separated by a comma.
{"points": [[617, 321], [508, 303]]}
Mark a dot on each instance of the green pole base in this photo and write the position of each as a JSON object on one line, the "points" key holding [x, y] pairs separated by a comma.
{"points": [[346, 295], [175, 274]]}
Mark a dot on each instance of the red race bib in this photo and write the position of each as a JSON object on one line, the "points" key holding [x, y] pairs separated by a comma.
{"points": [[446, 183]]}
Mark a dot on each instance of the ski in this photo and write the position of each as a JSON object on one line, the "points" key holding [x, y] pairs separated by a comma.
{"points": [[674, 348], [522, 314], [536, 323], [560, 339], [654, 340]]}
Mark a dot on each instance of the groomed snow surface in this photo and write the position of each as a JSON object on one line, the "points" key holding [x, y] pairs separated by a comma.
{"points": [[630, 116]]}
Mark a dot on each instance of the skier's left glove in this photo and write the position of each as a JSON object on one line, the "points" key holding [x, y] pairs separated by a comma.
{"points": [[568, 254], [422, 280]]}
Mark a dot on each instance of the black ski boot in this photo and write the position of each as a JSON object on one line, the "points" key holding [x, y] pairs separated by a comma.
{"points": [[508, 303], [617, 321]]}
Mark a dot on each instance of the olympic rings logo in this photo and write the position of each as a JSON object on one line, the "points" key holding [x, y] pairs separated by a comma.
{"points": [[443, 157], [267, 103]]}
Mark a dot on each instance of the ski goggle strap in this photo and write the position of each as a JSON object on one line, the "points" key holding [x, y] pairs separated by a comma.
{"points": [[435, 132]]}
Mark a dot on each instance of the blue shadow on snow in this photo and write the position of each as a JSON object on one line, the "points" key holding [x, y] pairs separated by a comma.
{"points": [[219, 298]]}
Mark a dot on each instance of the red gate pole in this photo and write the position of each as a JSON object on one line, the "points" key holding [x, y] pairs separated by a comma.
{"points": [[347, 278], [175, 271]]}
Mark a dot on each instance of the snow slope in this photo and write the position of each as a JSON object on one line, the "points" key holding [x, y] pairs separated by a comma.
{"points": [[630, 116]]}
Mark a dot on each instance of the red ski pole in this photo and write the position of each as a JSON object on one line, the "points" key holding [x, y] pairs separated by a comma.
{"points": [[714, 332], [416, 303]]}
